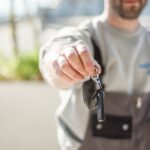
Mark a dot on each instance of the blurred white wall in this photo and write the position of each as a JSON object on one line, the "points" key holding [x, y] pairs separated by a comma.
{"points": [[27, 116]]}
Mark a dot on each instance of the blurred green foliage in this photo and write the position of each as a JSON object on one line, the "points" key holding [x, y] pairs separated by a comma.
{"points": [[23, 67]]}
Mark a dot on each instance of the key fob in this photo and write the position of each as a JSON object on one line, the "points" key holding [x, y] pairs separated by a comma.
{"points": [[93, 96], [89, 88]]}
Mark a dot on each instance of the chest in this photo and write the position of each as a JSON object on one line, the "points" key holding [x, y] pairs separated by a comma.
{"points": [[127, 63]]}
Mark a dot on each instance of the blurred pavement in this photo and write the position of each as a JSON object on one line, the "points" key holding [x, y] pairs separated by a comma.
{"points": [[27, 116]]}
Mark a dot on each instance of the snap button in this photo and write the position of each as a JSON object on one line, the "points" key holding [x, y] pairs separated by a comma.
{"points": [[125, 127], [139, 102], [99, 126]]}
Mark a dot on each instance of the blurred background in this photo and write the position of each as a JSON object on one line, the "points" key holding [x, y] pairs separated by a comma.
{"points": [[27, 103]]}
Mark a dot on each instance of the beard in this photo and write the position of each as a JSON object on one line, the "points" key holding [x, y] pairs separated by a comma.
{"points": [[128, 10]]}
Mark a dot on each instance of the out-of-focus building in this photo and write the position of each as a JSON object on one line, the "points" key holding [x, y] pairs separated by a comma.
{"points": [[70, 8]]}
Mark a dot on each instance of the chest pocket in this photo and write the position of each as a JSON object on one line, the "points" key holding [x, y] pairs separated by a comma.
{"points": [[114, 127], [118, 114]]}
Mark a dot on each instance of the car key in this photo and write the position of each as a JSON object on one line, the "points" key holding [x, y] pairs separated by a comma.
{"points": [[100, 99], [93, 96]]}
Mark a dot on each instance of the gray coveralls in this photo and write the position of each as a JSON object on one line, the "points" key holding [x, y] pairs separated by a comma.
{"points": [[127, 125]]}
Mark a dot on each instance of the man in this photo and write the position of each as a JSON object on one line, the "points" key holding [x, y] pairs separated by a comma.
{"points": [[67, 61]]}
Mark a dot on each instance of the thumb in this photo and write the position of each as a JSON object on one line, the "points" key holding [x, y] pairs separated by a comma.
{"points": [[98, 69]]}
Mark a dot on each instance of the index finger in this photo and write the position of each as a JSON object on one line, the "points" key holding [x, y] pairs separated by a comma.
{"points": [[85, 56]]}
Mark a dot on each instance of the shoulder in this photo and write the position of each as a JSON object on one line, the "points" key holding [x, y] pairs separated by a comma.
{"points": [[145, 24], [86, 25], [147, 31]]}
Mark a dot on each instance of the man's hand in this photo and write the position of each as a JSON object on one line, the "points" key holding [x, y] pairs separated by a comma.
{"points": [[73, 64]]}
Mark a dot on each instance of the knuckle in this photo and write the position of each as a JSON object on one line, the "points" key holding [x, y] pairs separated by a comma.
{"points": [[83, 51], [81, 45], [70, 52], [90, 63], [70, 55]]}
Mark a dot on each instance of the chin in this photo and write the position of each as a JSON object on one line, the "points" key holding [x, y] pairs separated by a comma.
{"points": [[130, 17]]}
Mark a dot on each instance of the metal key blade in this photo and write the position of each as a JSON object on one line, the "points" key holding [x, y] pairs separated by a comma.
{"points": [[100, 108]]}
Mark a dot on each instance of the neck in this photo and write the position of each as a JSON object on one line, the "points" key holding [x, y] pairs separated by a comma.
{"points": [[118, 22]]}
